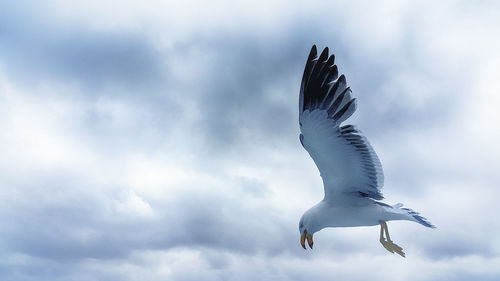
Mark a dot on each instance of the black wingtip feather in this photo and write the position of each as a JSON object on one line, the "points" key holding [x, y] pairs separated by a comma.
{"points": [[338, 101], [345, 112], [310, 63], [318, 89], [342, 79], [324, 55]]}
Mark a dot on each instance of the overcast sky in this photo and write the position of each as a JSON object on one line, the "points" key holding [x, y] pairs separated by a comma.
{"points": [[159, 141]]}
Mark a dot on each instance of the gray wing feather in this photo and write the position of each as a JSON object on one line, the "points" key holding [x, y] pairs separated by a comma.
{"points": [[345, 158]]}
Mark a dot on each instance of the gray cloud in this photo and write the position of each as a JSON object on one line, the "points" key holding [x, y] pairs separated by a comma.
{"points": [[68, 219], [34, 50]]}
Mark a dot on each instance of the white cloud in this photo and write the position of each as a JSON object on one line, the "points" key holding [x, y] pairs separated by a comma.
{"points": [[197, 173]]}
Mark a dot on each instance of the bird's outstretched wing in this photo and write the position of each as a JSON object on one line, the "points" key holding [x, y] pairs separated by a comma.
{"points": [[346, 161]]}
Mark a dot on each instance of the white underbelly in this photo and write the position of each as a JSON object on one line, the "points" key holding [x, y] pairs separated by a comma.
{"points": [[356, 216]]}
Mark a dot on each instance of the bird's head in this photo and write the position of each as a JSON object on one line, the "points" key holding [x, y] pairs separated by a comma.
{"points": [[306, 231]]}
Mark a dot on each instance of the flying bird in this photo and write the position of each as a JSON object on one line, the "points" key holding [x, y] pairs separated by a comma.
{"points": [[351, 171]]}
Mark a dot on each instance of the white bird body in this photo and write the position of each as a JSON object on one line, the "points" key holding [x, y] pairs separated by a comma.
{"points": [[351, 214], [351, 171]]}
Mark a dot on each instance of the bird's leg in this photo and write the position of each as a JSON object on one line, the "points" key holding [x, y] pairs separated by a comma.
{"points": [[387, 243], [386, 229], [384, 243], [394, 246]]}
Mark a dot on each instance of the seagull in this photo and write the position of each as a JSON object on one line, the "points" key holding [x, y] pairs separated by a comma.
{"points": [[351, 170]]}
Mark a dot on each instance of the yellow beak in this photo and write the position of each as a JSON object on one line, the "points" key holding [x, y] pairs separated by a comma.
{"points": [[309, 238]]}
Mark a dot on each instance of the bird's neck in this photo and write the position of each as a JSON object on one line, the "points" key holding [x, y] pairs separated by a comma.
{"points": [[318, 216]]}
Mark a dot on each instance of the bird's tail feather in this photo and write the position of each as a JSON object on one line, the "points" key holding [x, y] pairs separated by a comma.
{"points": [[418, 218]]}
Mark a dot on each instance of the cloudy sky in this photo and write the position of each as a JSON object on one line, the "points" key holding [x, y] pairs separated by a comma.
{"points": [[159, 140]]}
